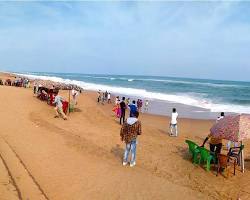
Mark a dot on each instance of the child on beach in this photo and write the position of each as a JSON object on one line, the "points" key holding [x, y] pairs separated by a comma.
{"points": [[173, 123], [117, 110]]}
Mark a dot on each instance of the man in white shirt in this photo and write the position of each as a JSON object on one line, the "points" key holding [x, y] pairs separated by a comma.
{"points": [[74, 94], [109, 98], [173, 123]]}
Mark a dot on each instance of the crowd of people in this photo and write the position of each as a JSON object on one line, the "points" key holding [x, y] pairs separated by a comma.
{"points": [[18, 82], [131, 127]]}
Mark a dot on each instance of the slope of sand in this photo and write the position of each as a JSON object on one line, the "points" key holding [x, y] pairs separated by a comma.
{"points": [[81, 158]]}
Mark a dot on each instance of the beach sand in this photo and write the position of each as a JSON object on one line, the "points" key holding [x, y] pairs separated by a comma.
{"points": [[47, 158]]}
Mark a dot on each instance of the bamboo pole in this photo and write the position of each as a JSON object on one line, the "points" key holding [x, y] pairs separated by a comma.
{"points": [[69, 103], [242, 159]]}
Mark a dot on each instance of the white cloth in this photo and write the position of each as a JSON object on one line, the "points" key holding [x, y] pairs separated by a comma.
{"points": [[219, 118], [131, 120], [174, 118]]}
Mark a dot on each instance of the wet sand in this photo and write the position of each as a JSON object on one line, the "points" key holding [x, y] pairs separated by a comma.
{"points": [[47, 158]]}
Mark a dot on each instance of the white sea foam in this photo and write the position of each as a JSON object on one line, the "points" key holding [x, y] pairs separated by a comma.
{"points": [[166, 81], [186, 99]]}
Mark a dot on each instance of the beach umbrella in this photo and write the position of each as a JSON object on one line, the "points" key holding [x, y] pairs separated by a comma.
{"points": [[235, 128]]}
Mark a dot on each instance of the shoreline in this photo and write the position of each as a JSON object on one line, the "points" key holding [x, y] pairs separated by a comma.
{"points": [[162, 107]]}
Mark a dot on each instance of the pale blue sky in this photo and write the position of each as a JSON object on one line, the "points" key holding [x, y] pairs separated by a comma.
{"points": [[184, 39]]}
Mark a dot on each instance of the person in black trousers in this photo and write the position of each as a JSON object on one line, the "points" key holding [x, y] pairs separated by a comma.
{"points": [[123, 110]]}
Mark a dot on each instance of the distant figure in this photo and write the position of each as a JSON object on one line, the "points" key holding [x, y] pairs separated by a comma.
{"points": [[173, 123], [74, 94], [128, 101], [35, 88], [129, 132], [117, 110], [222, 115], [117, 100], [133, 109], [59, 106], [106, 95], [103, 98], [146, 106], [123, 107], [139, 105], [109, 98], [99, 96]]}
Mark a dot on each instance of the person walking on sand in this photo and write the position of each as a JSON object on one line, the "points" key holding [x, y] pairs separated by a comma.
{"points": [[123, 107], [173, 123], [129, 132], [146, 106], [59, 107]]}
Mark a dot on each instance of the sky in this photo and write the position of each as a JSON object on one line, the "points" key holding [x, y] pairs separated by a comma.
{"points": [[181, 39]]}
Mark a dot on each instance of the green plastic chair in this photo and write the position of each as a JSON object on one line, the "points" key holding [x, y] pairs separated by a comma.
{"points": [[193, 149], [206, 157]]}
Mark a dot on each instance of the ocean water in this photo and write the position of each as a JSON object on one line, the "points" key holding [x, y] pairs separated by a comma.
{"points": [[211, 95]]}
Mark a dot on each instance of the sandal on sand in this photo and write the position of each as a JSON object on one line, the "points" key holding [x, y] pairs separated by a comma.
{"points": [[56, 117]]}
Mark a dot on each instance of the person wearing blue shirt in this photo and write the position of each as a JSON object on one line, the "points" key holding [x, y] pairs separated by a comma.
{"points": [[133, 109]]}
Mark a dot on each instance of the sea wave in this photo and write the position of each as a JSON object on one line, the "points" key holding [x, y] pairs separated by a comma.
{"points": [[187, 99], [216, 85]]}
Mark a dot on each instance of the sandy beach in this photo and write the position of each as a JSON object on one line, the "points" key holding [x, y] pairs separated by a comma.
{"points": [[42, 157]]}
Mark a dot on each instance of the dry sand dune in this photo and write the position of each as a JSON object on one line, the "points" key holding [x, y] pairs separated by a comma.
{"points": [[47, 158]]}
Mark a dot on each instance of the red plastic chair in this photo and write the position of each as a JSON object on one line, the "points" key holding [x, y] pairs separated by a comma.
{"points": [[65, 106]]}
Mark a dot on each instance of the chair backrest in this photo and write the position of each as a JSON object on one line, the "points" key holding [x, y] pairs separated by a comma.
{"points": [[222, 160], [204, 153], [236, 150], [192, 146]]}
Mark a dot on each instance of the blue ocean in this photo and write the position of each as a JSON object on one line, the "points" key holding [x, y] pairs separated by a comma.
{"points": [[212, 95]]}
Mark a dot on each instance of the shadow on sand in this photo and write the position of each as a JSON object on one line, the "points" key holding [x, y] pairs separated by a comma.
{"points": [[117, 151]]}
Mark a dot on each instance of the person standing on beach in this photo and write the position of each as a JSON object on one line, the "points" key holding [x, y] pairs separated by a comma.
{"points": [[215, 144], [146, 106], [133, 109], [173, 123], [123, 107], [117, 100], [109, 98], [129, 132], [106, 95], [99, 96], [59, 106], [128, 101], [74, 94], [222, 115]]}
